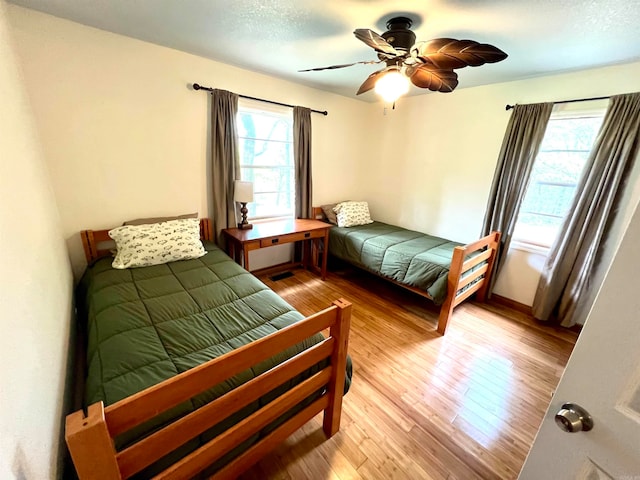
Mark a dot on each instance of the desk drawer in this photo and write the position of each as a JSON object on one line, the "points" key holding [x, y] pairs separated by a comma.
{"points": [[291, 237]]}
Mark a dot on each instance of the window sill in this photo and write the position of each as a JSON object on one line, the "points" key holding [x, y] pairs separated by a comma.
{"points": [[270, 219], [524, 246]]}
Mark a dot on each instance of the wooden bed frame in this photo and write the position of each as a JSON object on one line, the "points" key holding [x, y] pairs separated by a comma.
{"points": [[90, 435], [456, 280]]}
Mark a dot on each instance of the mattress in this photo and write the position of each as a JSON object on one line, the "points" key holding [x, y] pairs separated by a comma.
{"points": [[408, 257]]}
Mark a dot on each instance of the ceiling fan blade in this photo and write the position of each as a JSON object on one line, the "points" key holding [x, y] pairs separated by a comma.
{"points": [[435, 80], [333, 67], [488, 53], [448, 53], [370, 82], [375, 41]]}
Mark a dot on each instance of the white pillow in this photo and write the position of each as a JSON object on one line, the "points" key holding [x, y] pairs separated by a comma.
{"points": [[158, 243], [350, 214]]}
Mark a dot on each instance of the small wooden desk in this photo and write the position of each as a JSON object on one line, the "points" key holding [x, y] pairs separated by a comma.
{"points": [[278, 232]]}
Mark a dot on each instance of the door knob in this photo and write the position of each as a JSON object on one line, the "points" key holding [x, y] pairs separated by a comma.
{"points": [[573, 418]]}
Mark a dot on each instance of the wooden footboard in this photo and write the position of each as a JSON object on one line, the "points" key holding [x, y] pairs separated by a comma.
{"points": [[463, 280], [90, 436]]}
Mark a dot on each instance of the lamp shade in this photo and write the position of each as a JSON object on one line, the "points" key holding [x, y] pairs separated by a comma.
{"points": [[243, 192]]}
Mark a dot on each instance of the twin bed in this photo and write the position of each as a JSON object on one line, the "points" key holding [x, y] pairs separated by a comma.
{"points": [[443, 271], [196, 368]]}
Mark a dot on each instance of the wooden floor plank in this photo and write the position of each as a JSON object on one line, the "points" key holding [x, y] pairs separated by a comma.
{"points": [[422, 406]]}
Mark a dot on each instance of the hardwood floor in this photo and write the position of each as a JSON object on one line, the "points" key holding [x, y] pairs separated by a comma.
{"points": [[421, 406]]}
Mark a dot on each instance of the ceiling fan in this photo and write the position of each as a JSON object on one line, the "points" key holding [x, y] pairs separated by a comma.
{"points": [[428, 64]]}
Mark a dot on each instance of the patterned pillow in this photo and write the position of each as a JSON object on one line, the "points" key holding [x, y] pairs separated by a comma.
{"points": [[350, 214], [154, 244]]}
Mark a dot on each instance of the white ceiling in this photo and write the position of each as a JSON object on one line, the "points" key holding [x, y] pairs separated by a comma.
{"points": [[280, 37]]}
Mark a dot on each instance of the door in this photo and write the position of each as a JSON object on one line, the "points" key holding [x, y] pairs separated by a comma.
{"points": [[603, 377]]}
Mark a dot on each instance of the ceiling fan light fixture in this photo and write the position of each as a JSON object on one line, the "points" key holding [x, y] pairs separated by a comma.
{"points": [[428, 65], [392, 85]]}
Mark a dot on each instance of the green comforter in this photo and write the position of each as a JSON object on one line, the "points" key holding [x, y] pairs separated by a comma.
{"points": [[408, 257], [145, 325]]}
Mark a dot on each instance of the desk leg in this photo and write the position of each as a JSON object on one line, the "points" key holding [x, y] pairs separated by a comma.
{"points": [[245, 252], [230, 248], [314, 247], [306, 247], [325, 254]]}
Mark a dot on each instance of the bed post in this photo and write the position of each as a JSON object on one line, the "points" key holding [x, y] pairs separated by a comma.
{"points": [[90, 445], [484, 289], [340, 331], [452, 288], [88, 243], [206, 230], [317, 213]]}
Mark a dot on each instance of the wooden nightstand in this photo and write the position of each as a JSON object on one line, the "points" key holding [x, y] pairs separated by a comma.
{"points": [[241, 242]]}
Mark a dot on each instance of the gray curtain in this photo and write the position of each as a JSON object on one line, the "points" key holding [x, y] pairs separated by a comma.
{"points": [[567, 272], [302, 160], [520, 146], [224, 159]]}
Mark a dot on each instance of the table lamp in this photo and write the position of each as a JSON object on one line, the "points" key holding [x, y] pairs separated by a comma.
{"points": [[243, 194]]}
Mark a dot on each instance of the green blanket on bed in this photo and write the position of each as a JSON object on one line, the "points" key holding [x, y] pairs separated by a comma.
{"points": [[408, 257], [145, 325]]}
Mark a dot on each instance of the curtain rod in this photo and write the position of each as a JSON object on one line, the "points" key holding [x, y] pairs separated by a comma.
{"points": [[509, 107], [209, 89]]}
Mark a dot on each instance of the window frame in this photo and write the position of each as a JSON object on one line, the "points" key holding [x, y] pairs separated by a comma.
{"points": [[248, 105], [595, 108]]}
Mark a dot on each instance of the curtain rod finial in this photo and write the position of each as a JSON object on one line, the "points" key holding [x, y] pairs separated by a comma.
{"points": [[509, 107], [196, 86]]}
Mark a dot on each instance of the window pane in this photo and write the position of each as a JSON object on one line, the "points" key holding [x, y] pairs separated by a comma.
{"points": [[264, 126], [264, 153], [552, 187], [571, 133], [273, 204], [556, 172], [266, 159], [269, 179]]}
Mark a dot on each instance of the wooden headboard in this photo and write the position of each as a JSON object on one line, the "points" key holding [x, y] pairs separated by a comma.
{"points": [[318, 214], [98, 243]]}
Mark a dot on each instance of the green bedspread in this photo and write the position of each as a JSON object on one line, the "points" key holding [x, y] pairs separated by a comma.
{"points": [[145, 325], [408, 257]]}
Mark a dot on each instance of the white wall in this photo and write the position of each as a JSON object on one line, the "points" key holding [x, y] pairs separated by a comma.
{"points": [[438, 153], [126, 136], [35, 292]]}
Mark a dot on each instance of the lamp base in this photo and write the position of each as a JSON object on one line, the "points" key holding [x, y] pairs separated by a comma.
{"points": [[244, 225]]}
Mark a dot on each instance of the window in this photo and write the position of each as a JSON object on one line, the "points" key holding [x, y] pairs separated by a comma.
{"points": [[556, 172], [266, 158]]}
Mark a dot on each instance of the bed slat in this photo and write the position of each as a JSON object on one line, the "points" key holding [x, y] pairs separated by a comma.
{"points": [[466, 294], [197, 461], [265, 445], [490, 241], [155, 446], [473, 276], [472, 262], [136, 409]]}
